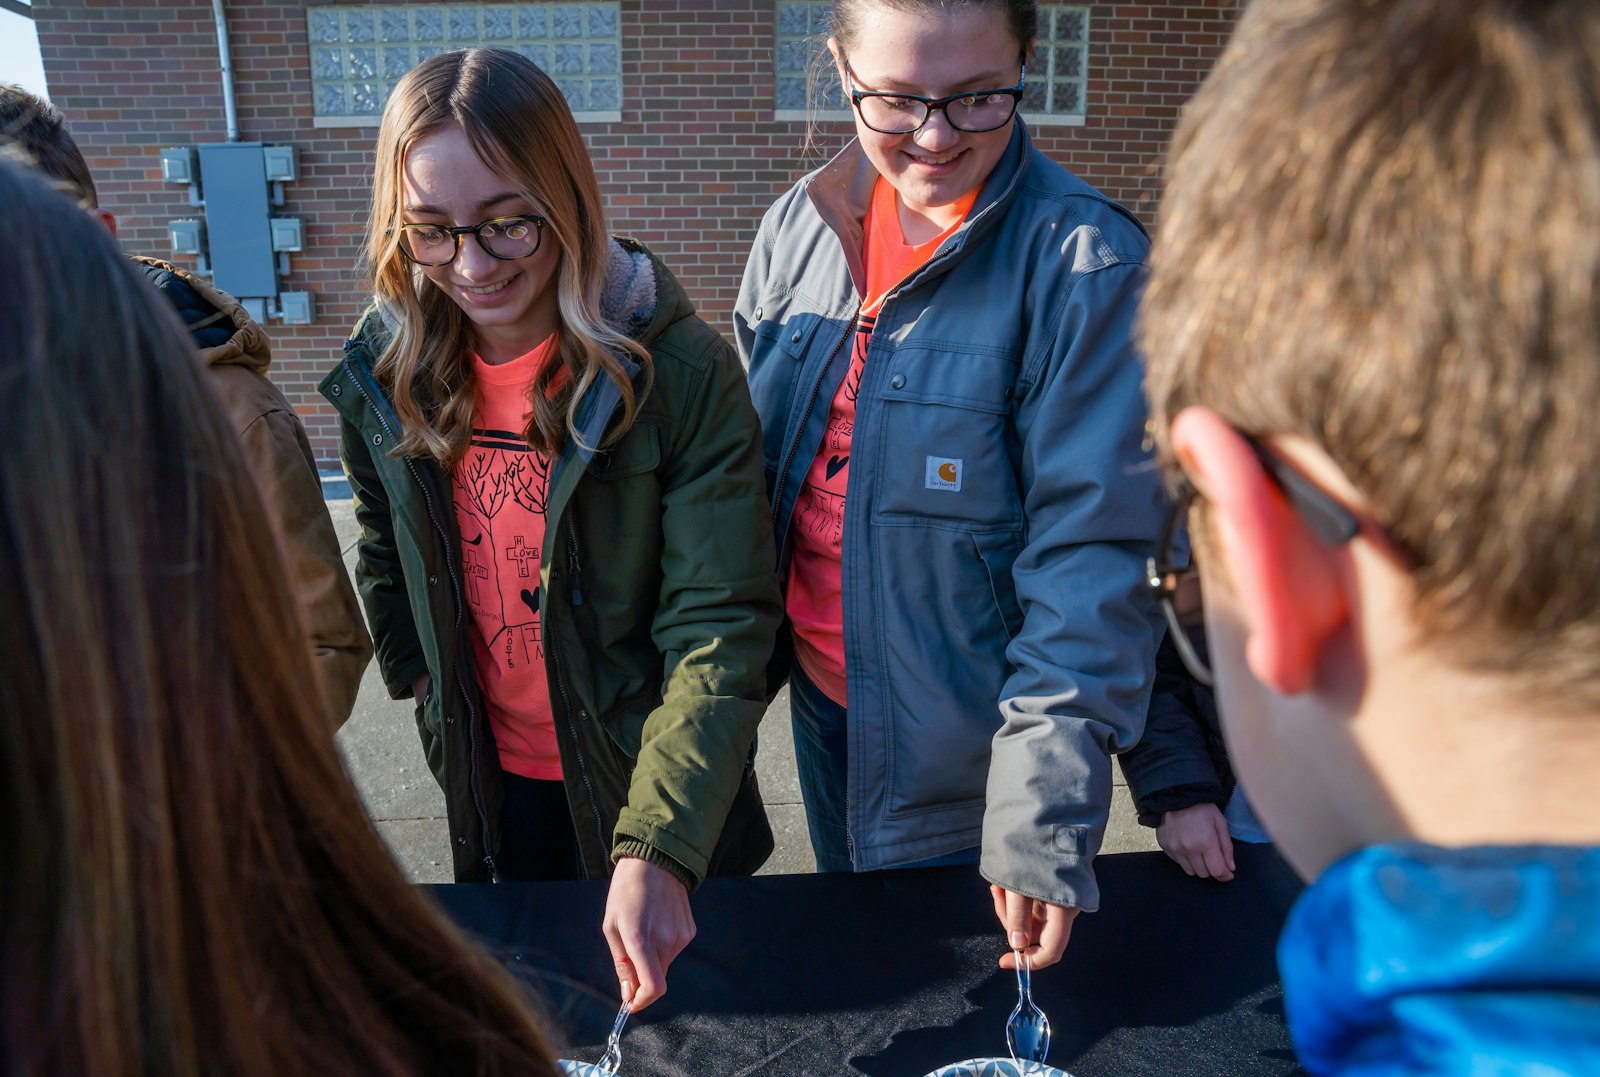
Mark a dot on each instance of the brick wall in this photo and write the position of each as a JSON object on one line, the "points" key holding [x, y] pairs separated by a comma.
{"points": [[689, 170]]}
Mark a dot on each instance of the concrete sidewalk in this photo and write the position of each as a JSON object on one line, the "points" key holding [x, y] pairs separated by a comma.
{"points": [[384, 758]]}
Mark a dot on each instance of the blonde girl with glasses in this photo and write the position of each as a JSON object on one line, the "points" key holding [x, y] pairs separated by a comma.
{"points": [[936, 326], [565, 556]]}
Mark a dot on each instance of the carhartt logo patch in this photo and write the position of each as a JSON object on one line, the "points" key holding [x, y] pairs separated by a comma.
{"points": [[943, 473]]}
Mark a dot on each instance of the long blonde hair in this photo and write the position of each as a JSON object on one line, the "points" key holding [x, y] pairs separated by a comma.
{"points": [[519, 124], [191, 884]]}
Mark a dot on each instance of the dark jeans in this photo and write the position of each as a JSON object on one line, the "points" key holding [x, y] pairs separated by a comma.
{"points": [[821, 754], [537, 842]]}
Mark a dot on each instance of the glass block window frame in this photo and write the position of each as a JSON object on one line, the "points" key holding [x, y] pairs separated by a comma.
{"points": [[1057, 72], [359, 52], [803, 67]]}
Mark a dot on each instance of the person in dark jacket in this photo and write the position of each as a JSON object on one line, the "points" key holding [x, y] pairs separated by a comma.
{"points": [[1179, 775], [565, 553], [236, 352]]}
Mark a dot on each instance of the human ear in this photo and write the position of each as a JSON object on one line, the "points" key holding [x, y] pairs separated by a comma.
{"points": [[107, 218], [837, 50], [1287, 585]]}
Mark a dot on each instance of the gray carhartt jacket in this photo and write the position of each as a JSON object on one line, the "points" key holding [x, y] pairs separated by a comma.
{"points": [[999, 639]]}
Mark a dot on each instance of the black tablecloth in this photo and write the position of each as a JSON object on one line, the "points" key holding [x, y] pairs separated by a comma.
{"points": [[893, 973]]}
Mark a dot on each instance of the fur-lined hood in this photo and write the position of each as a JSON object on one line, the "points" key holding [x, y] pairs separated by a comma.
{"points": [[222, 331]]}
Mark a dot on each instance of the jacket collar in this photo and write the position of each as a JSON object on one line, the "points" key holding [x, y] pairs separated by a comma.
{"points": [[1393, 940], [841, 192]]}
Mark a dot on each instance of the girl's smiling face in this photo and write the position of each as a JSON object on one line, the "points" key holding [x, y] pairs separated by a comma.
{"points": [[932, 54], [512, 305]]}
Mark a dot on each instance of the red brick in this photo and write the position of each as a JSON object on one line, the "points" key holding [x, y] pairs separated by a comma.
{"points": [[689, 170]]}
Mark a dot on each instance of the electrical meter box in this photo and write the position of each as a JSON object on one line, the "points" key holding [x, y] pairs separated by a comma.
{"points": [[188, 236], [237, 219], [177, 164], [286, 234], [298, 308], [280, 164]]}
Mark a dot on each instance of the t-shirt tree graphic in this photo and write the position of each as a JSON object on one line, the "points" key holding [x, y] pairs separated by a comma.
{"points": [[503, 489]]}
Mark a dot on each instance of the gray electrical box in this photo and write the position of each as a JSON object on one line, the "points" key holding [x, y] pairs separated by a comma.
{"points": [[279, 162], [177, 164], [239, 243], [188, 236], [286, 234], [237, 216], [298, 308]]}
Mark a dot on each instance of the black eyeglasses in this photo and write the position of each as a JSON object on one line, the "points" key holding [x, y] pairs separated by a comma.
{"points": [[974, 111], [1178, 587], [505, 238]]}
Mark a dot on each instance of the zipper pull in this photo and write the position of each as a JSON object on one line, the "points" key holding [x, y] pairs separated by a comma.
{"points": [[575, 570]]}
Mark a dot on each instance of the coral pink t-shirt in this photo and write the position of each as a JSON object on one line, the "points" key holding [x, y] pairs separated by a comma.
{"points": [[814, 602], [500, 488]]}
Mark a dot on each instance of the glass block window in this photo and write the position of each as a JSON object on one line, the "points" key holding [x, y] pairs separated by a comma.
{"points": [[1057, 72], [1059, 69], [801, 45], [358, 53]]}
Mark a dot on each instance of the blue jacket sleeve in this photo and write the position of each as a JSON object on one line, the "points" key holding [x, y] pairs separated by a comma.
{"points": [[1082, 662]]}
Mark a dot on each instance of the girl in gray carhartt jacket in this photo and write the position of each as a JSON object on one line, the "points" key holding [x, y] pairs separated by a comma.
{"points": [[986, 411]]}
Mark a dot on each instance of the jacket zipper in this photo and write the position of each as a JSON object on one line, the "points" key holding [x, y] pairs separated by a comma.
{"points": [[777, 501], [811, 404], [574, 568], [575, 573], [473, 780]]}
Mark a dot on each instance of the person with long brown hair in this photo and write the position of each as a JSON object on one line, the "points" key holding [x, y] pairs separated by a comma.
{"points": [[238, 355], [191, 883], [565, 554]]}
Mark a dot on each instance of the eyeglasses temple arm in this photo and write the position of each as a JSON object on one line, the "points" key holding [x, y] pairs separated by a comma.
{"points": [[1329, 520]]}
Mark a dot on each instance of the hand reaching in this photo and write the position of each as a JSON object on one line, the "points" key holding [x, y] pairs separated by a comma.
{"points": [[1040, 928], [1197, 838], [647, 924]]}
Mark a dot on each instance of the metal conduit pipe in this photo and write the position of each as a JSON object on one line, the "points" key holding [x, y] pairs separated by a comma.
{"points": [[228, 105]]}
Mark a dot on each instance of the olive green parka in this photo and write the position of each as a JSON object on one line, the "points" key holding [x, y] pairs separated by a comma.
{"points": [[657, 597]]}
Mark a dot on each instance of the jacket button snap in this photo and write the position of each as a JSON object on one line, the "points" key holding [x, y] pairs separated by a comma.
{"points": [[336, 389], [757, 315], [795, 339], [450, 720], [461, 839], [897, 382], [433, 581], [377, 439]]}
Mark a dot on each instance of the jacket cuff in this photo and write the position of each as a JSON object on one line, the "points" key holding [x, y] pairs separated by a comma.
{"points": [[651, 855], [1157, 804]]}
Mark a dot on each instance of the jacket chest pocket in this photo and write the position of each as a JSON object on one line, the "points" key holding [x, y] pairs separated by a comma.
{"points": [[786, 329], [617, 511], [946, 445], [639, 451]]}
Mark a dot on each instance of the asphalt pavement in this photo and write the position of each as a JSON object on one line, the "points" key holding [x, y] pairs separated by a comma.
{"points": [[384, 758]]}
